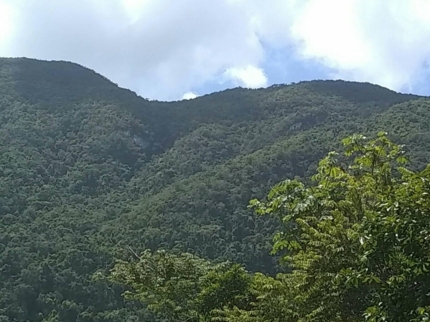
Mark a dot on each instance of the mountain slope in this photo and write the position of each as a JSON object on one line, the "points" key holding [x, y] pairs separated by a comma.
{"points": [[90, 171]]}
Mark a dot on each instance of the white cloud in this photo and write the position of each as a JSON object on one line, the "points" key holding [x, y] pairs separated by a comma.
{"points": [[249, 76], [384, 42], [164, 48], [6, 23], [189, 96]]}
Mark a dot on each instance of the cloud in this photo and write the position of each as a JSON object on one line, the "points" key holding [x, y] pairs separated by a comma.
{"points": [[6, 23], [189, 96], [249, 76], [384, 42], [164, 48]]}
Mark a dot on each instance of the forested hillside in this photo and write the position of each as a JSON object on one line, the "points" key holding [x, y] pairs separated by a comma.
{"points": [[90, 173]]}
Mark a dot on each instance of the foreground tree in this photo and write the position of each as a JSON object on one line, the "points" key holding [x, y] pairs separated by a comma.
{"points": [[359, 239], [183, 287]]}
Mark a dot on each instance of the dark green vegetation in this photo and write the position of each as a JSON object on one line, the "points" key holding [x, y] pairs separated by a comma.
{"points": [[90, 172]]}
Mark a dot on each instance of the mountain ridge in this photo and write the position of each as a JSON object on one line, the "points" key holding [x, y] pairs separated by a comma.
{"points": [[89, 171]]}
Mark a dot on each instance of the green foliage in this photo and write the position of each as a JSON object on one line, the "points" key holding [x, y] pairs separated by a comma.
{"points": [[88, 170], [166, 283], [357, 239], [182, 287], [224, 289], [272, 299]]}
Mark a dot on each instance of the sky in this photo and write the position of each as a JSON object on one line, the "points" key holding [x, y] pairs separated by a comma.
{"points": [[180, 49]]}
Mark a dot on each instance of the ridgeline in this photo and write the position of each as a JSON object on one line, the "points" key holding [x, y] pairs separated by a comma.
{"points": [[91, 172]]}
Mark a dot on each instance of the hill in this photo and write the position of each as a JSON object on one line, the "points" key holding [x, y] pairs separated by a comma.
{"points": [[90, 172]]}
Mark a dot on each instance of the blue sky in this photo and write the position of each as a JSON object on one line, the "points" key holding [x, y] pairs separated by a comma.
{"points": [[174, 49]]}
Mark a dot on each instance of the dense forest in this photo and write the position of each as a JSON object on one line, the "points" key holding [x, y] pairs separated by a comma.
{"points": [[100, 187]]}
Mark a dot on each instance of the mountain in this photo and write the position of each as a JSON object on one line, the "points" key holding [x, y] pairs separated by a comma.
{"points": [[90, 172]]}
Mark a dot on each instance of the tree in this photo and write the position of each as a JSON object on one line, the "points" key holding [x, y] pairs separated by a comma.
{"points": [[358, 239], [182, 287]]}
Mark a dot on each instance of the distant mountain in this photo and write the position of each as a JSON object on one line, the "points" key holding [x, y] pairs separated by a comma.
{"points": [[90, 172]]}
